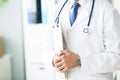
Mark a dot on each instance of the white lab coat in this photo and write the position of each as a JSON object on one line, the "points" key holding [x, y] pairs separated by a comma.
{"points": [[100, 49]]}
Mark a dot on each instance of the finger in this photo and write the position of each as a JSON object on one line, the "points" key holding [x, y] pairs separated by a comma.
{"points": [[62, 57], [57, 60], [57, 65], [61, 68], [65, 69]]}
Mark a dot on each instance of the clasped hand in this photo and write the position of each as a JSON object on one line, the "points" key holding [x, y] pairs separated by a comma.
{"points": [[65, 60]]}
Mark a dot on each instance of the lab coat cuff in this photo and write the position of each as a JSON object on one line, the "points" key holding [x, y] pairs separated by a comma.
{"points": [[83, 65]]}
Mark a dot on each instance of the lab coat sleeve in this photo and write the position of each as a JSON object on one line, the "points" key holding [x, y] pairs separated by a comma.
{"points": [[109, 60], [49, 52]]}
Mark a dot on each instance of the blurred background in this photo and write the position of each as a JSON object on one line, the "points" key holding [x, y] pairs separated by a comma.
{"points": [[23, 27]]}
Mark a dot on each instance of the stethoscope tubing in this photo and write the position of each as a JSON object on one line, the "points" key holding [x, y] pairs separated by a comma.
{"points": [[57, 18], [90, 17], [86, 30]]}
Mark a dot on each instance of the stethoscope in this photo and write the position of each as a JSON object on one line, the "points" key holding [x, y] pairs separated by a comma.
{"points": [[85, 30]]}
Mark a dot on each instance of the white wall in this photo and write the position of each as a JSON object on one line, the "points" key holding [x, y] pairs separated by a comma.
{"points": [[11, 29], [116, 3]]}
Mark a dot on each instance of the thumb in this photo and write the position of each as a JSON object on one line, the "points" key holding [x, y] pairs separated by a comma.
{"points": [[63, 52], [60, 53]]}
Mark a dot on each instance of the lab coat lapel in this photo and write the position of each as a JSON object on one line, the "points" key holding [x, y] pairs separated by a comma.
{"points": [[68, 17], [65, 17]]}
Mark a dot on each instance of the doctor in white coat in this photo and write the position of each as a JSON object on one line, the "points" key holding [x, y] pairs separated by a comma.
{"points": [[93, 54]]}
